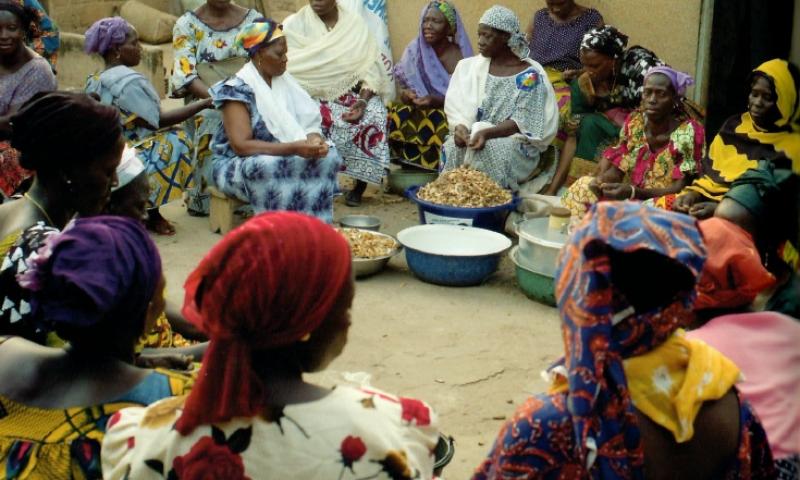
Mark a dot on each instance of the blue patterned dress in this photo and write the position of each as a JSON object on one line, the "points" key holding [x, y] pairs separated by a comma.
{"points": [[270, 182]]}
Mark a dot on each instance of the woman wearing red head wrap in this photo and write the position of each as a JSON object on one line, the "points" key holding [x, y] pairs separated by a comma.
{"points": [[273, 297]]}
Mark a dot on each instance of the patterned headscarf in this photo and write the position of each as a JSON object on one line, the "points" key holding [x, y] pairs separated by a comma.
{"points": [[505, 20], [680, 81], [447, 10], [600, 328], [106, 34], [786, 90], [98, 268], [258, 34], [607, 40], [267, 284], [420, 68]]}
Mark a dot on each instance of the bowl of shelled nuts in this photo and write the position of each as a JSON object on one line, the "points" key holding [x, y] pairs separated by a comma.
{"points": [[371, 250], [465, 197]]}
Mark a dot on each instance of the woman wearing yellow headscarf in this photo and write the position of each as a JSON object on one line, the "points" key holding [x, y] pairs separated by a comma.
{"points": [[769, 130]]}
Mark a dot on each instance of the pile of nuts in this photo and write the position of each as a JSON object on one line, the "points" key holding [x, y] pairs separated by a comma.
{"points": [[366, 244], [464, 187]]}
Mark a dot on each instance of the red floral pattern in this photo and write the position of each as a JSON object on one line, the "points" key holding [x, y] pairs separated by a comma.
{"points": [[208, 460]]}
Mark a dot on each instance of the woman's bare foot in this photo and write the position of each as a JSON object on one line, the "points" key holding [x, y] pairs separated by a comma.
{"points": [[157, 223]]}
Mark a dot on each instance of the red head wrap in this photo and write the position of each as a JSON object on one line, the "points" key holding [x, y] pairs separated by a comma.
{"points": [[733, 274], [265, 285]]}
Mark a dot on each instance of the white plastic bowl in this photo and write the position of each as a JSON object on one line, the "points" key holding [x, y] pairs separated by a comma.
{"points": [[454, 240]]}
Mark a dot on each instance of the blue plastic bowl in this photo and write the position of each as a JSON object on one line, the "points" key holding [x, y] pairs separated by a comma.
{"points": [[452, 255], [490, 218]]}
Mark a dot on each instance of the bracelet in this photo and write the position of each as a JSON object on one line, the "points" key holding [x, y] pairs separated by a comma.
{"points": [[633, 193]]}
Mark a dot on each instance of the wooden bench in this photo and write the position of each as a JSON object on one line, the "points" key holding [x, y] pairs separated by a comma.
{"points": [[222, 215]]}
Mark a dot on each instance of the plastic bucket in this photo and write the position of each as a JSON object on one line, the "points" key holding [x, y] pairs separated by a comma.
{"points": [[490, 218]]}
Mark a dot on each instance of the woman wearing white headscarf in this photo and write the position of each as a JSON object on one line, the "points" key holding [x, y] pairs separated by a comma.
{"points": [[501, 108], [338, 61]]}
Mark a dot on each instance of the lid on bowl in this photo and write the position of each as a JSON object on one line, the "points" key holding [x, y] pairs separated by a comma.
{"points": [[537, 230]]}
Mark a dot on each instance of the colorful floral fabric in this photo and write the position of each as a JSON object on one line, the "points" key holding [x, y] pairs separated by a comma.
{"points": [[37, 443], [46, 38], [592, 431], [643, 167], [352, 433]]}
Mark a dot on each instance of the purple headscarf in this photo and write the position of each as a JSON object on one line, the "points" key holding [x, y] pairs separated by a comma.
{"points": [[105, 34], [420, 69], [98, 268], [680, 81]]}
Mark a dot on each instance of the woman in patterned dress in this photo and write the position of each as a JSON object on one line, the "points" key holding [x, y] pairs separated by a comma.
{"points": [[501, 108], [165, 149], [204, 36], [633, 397], [601, 98], [336, 59], [23, 73], [417, 123], [555, 34], [99, 285], [270, 151], [274, 296], [659, 153]]}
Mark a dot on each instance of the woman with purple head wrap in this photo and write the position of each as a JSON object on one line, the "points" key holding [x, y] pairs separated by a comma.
{"points": [[99, 285], [417, 124], [167, 154], [659, 152]]}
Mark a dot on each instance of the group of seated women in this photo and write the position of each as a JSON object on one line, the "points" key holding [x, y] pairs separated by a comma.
{"points": [[634, 395], [84, 321]]}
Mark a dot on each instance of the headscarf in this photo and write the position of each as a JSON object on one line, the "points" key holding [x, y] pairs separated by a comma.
{"points": [[504, 19], [258, 34], [786, 86], [106, 34], [129, 168], [733, 274], [600, 328], [680, 81], [606, 40], [420, 68], [97, 269], [267, 284]]}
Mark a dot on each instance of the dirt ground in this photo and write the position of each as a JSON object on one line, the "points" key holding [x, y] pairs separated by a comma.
{"points": [[474, 353]]}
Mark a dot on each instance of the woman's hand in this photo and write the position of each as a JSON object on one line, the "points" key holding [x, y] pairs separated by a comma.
{"points": [[703, 210], [478, 141], [461, 136], [616, 191], [569, 75], [408, 96], [309, 149], [356, 112], [319, 140], [685, 202]]}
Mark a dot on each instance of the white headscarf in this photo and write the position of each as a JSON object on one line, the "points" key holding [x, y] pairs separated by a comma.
{"points": [[505, 20], [129, 168]]}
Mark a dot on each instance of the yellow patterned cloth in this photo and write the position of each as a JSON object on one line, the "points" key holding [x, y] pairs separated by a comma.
{"points": [[416, 134], [162, 336], [670, 383], [38, 443]]}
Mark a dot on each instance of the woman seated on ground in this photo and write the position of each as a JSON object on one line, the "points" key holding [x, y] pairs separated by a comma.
{"points": [[75, 164], [633, 397], [769, 130], [270, 151], [555, 34], [130, 199], [601, 99], [418, 124], [501, 108], [659, 152], [206, 37], [99, 285], [762, 343], [765, 201], [274, 297], [336, 59], [167, 154], [23, 73]]}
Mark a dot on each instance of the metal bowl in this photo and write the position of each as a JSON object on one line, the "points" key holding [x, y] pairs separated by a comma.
{"points": [[364, 222], [452, 255], [536, 286], [364, 267], [539, 246]]}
